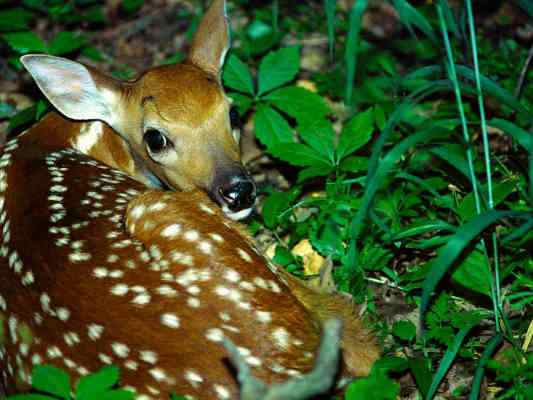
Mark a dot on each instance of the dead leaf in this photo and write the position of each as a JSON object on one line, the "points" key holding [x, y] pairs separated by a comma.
{"points": [[312, 261]]}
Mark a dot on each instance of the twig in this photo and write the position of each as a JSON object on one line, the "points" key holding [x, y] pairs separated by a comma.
{"points": [[523, 73], [314, 383]]}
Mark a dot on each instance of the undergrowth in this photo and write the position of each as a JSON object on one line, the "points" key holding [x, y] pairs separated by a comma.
{"points": [[410, 168]]}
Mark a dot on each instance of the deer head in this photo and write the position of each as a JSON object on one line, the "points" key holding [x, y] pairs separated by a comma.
{"points": [[176, 118]]}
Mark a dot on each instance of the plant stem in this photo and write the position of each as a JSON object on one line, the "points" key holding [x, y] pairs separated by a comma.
{"points": [[486, 144]]}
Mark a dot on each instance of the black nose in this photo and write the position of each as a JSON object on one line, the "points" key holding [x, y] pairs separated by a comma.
{"points": [[239, 195]]}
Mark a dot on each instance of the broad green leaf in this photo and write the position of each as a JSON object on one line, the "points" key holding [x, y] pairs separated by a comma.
{"points": [[313, 172], [241, 101], [352, 46], [270, 127], [421, 373], [391, 363], [298, 154], [25, 42], [319, 134], [299, 103], [94, 385], [277, 68], [237, 75], [119, 394], [404, 330], [30, 396], [354, 164], [356, 133], [273, 206], [65, 42], [500, 191], [51, 380], [411, 16], [473, 273], [14, 19], [451, 252], [377, 386], [447, 360]]}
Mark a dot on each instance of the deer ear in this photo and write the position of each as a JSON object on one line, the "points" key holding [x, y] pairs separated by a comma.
{"points": [[211, 41], [75, 90]]}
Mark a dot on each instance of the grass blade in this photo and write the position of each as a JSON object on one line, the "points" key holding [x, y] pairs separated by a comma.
{"points": [[492, 345], [451, 252], [329, 7], [447, 360], [352, 46]]}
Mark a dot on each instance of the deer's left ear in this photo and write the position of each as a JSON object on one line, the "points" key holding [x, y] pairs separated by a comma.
{"points": [[211, 41]]}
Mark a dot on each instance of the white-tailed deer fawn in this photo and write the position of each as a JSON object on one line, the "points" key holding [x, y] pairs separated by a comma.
{"points": [[96, 268], [173, 121]]}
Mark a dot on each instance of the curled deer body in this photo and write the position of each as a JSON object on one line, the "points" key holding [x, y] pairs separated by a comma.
{"points": [[98, 268]]}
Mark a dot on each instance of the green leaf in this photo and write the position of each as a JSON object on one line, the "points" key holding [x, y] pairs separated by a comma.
{"points": [[455, 247], [473, 273], [65, 42], [354, 164], [298, 154], [14, 19], [356, 133], [411, 16], [132, 6], [392, 363], [299, 103], [500, 191], [30, 396], [319, 134], [313, 172], [352, 46], [237, 75], [174, 396], [421, 373], [404, 330], [119, 394], [447, 360], [273, 206], [492, 345], [454, 155], [277, 68], [51, 380], [92, 386], [270, 127], [25, 42], [377, 386], [329, 7], [23, 117], [241, 101]]}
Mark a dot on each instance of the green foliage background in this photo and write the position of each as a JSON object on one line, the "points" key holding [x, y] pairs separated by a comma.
{"points": [[424, 179]]}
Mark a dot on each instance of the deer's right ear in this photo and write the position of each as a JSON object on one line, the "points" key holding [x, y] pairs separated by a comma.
{"points": [[211, 40], [76, 92]]}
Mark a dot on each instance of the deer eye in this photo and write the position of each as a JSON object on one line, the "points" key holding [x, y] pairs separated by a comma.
{"points": [[155, 141], [234, 118]]}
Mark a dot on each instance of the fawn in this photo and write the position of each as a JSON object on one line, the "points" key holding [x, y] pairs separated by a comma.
{"points": [[97, 267]]}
